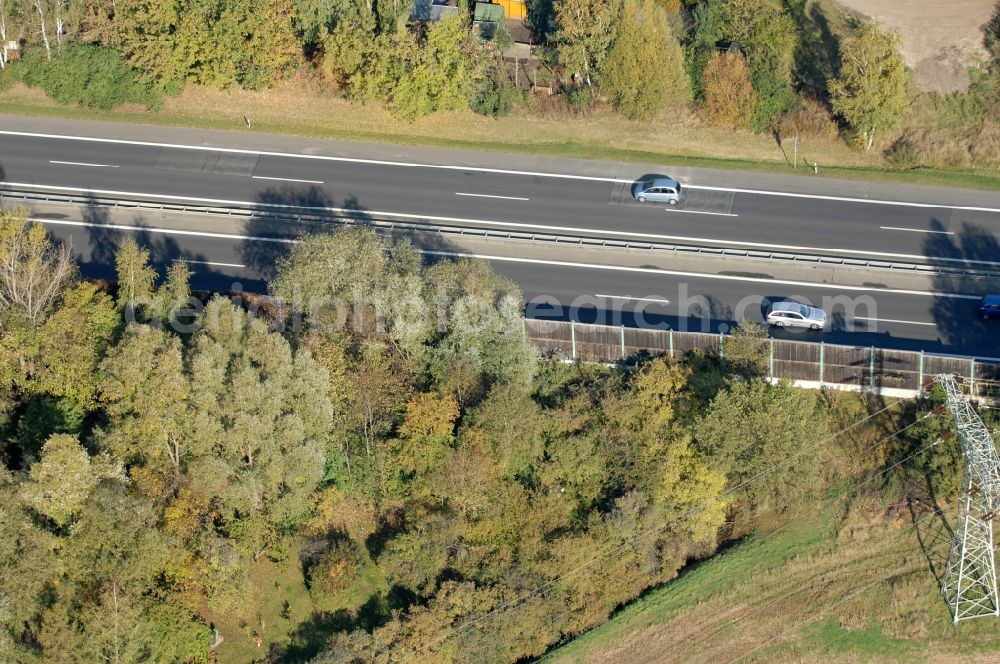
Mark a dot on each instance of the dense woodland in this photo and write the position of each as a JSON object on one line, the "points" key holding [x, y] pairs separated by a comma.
{"points": [[379, 433], [784, 66]]}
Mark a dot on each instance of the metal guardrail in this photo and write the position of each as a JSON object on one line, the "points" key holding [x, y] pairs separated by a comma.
{"points": [[284, 213]]}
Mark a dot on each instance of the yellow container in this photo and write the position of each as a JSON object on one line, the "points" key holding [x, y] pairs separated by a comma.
{"points": [[514, 8]]}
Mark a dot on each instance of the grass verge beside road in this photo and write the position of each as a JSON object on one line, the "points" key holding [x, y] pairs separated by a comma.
{"points": [[300, 107], [797, 587]]}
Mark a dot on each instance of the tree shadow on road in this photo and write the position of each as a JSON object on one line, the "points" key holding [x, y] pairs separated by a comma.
{"points": [[96, 255], [706, 314], [957, 318], [285, 214], [281, 216]]}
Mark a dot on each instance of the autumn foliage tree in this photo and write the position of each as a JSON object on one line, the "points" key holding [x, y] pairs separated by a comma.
{"points": [[729, 95], [764, 32], [409, 466]]}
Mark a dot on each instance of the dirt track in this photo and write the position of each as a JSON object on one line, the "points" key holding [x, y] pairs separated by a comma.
{"points": [[941, 40]]}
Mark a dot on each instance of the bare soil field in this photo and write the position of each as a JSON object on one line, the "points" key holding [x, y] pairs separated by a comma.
{"points": [[941, 40]]}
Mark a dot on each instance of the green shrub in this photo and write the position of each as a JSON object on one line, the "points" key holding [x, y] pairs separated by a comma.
{"points": [[7, 75], [495, 94], [774, 93], [903, 152], [87, 75], [580, 99]]}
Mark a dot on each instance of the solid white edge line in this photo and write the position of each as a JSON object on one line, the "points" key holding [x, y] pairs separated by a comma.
{"points": [[638, 299], [697, 275], [509, 198], [893, 320], [914, 230], [264, 177], [512, 259], [320, 157], [509, 224], [480, 169], [81, 163], [187, 260]]}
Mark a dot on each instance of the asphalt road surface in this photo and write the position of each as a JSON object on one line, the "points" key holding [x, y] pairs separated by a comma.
{"points": [[884, 228], [964, 228], [941, 322]]}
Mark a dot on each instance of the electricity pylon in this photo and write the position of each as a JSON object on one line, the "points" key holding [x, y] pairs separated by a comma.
{"points": [[970, 580]]}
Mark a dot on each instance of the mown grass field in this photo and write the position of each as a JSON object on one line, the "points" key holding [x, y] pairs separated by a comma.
{"points": [[822, 588]]}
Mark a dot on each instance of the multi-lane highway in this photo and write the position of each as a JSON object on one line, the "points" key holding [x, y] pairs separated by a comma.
{"points": [[565, 202], [946, 227]]}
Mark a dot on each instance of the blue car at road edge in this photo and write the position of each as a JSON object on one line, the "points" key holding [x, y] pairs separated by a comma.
{"points": [[990, 307]]}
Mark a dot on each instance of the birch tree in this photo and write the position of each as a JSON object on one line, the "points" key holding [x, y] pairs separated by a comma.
{"points": [[66, 20], [41, 9], [34, 272], [584, 33], [6, 19], [144, 392], [870, 93], [135, 277]]}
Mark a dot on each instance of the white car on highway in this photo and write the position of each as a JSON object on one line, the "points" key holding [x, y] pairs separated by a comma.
{"points": [[793, 314]]}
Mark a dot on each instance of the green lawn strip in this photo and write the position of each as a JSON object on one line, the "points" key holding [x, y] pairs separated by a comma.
{"points": [[829, 636], [724, 574], [827, 639], [987, 180]]}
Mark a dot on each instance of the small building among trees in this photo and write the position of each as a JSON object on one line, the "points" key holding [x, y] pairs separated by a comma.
{"points": [[486, 19], [432, 10]]}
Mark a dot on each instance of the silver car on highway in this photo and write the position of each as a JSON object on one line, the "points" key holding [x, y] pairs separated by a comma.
{"points": [[657, 190], [793, 314]]}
